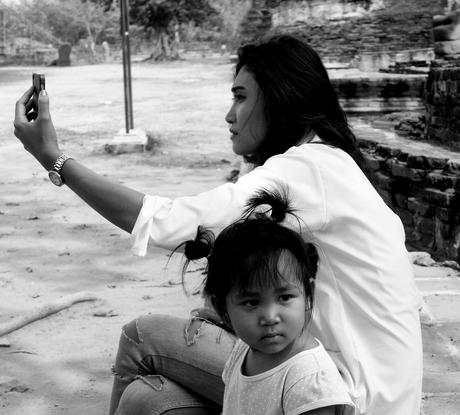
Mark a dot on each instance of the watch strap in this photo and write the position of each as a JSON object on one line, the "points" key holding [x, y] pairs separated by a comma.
{"points": [[57, 166]]}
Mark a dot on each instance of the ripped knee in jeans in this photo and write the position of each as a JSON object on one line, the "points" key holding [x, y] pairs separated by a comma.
{"points": [[194, 327], [131, 332], [156, 382]]}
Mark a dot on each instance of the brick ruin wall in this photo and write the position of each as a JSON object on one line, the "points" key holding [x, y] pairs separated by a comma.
{"points": [[424, 192], [391, 26], [442, 101]]}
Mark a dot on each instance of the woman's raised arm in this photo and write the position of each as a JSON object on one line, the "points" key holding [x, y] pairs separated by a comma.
{"points": [[118, 204]]}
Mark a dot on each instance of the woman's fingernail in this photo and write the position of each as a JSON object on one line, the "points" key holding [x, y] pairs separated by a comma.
{"points": [[43, 93]]}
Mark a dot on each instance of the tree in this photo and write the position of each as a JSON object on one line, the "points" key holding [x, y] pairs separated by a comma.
{"points": [[161, 20], [62, 21]]}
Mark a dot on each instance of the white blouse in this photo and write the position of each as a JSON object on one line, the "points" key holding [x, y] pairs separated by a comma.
{"points": [[366, 304]]}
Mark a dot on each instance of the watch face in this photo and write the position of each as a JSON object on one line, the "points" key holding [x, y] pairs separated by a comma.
{"points": [[55, 178]]}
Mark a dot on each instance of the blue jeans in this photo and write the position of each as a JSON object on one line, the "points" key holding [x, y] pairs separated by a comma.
{"points": [[168, 365]]}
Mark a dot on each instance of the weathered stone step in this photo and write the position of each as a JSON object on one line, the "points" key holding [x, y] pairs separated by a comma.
{"points": [[439, 286], [443, 307]]}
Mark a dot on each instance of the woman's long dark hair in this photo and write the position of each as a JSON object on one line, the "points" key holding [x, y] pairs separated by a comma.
{"points": [[298, 96]]}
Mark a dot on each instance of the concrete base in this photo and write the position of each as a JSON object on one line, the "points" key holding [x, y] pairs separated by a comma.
{"points": [[133, 141]]}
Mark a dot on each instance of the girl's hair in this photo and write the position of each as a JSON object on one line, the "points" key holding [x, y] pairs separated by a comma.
{"points": [[298, 96], [247, 252]]}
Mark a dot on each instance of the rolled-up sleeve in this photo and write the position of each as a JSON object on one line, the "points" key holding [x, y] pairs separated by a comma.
{"points": [[169, 222]]}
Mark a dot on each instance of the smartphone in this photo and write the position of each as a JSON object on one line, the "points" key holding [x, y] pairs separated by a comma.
{"points": [[38, 81]]}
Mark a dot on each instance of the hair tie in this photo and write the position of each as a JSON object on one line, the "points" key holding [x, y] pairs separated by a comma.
{"points": [[196, 249], [277, 199]]}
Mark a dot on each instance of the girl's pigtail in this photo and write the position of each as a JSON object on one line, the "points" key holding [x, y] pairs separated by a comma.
{"points": [[201, 246], [195, 249], [277, 199]]}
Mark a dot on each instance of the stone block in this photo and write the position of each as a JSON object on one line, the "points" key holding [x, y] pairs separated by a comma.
{"points": [[452, 87], [443, 214], [440, 99], [387, 151], [400, 200], [438, 197], [439, 121], [433, 163], [443, 307], [445, 404], [383, 181], [406, 217], [64, 55], [422, 209], [453, 166], [444, 284], [401, 170], [437, 72], [439, 377], [451, 332], [404, 186], [439, 134], [134, 141], [402, 156], [441, 181], [437, 354], [373, 162], [366, 144], [440, 87], [416, 161], [426, 226], [447, 47]]}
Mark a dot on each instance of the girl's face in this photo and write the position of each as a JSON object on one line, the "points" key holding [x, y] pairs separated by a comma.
{"points": [[272, 320], [246, 116]]}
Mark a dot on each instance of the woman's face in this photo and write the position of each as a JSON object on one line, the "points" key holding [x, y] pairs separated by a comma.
{"points": [[246, 116]]}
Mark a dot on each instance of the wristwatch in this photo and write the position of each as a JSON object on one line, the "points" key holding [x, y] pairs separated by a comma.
{"points": [[55, 173]]}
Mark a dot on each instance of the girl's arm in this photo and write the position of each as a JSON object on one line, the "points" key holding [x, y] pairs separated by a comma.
{"points": [[118, 204]]}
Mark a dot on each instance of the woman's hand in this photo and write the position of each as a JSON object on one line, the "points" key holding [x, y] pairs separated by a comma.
{"points": [[37, 135]]}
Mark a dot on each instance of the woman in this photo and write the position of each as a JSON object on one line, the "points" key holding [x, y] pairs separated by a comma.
{"points": [[286, 119]]}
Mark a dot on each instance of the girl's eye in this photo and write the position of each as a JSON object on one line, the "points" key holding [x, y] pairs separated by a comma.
{"points": [[286, 297], [249, 303]]}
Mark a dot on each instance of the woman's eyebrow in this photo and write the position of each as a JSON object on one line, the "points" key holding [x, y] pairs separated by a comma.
{"points": [[238, 88]]}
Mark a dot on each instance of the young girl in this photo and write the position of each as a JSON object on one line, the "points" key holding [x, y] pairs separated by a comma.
{"points": [[260, 280]]}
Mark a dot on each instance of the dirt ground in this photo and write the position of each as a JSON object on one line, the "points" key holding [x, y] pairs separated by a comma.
{"points": [[52, 244]]}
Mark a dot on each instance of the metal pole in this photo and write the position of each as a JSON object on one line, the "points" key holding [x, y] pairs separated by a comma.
{"points": [[128, 51], [2, 33], [126, 66]]}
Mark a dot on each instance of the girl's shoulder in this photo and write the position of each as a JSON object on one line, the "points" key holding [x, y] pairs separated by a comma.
{"points": [[309, 363], [313, 379]]}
